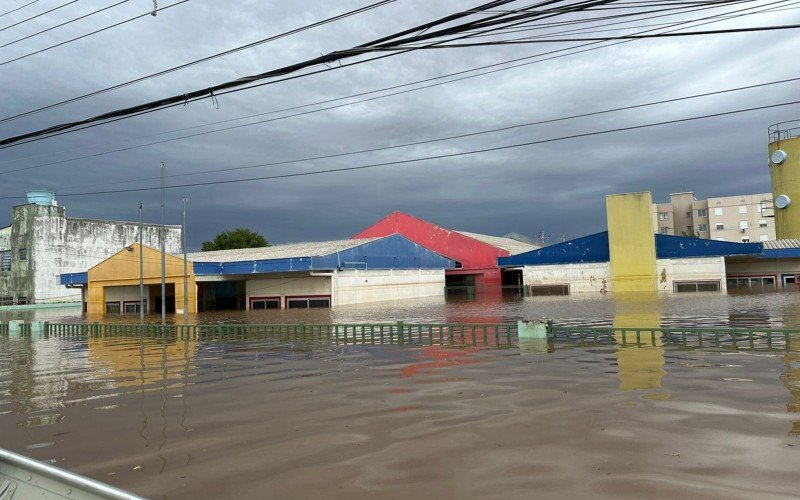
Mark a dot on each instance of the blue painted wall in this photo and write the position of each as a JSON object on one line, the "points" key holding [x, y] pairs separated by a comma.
{"points": [[74, 278], [391, 252], [675, 247], [592, 248]]}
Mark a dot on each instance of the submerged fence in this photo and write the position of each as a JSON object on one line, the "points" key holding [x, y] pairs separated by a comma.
{"points": [[498, 335]]}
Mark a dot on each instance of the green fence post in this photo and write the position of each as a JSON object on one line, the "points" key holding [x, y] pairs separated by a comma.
{"points": [[400, 339]]}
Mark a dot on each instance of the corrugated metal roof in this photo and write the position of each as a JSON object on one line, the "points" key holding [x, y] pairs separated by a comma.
{"points": [[513, 246], [289, 251], [779, 244]]}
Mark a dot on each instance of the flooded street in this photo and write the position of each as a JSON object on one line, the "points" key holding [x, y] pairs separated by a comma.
{"points": [[262, 418]]}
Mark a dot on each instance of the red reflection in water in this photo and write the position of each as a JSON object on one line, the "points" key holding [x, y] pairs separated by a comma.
{"points": [[443, 358]]}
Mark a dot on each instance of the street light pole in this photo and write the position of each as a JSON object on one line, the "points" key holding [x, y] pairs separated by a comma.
{"points": [[141, 269], [163, 255], [185, 268]]}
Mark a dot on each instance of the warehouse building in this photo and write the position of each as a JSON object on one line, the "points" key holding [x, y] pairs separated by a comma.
{"points": [[300, 275], [42, 243], [475, 255], [629, 257]]}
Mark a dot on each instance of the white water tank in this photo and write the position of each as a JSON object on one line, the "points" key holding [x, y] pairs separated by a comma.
{"points": [[41, 197]]}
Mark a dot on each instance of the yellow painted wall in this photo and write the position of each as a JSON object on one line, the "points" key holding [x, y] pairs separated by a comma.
{"points": [[786, 180], [631, 242], [122, 269]]}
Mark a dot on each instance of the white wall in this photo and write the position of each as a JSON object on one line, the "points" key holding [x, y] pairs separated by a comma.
{"points": [[355, 286], [63, 245], [124, 293], [283, 284], [581, 277], [690, 269]]}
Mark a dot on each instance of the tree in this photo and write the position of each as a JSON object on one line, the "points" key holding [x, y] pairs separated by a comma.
{"points": [[238, 238], [689, 233]]}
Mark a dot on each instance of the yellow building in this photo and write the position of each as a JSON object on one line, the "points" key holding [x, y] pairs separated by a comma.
{"points": [[631, 243], [784, 166], [113, 285]]}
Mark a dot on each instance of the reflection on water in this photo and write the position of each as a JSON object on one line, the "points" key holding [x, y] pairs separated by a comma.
{"points": [[301, 417]]}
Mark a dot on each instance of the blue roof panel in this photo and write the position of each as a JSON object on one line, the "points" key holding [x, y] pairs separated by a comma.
{"points": [[676, 247], [592, 248]]}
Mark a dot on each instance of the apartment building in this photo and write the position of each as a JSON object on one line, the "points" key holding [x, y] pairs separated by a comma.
{"points": [[743, 218]]}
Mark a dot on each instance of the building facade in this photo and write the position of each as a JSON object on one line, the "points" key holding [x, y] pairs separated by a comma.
{"points": [[744, 219], [42, 243]]}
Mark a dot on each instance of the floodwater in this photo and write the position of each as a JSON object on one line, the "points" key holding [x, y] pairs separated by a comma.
{"points": [[264, 418]]}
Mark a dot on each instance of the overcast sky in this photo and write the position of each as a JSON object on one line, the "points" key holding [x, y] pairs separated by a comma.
{"points": [[557, 187]]}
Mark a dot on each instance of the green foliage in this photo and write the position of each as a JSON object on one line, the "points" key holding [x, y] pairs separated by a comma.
{"points": [[238, 238], [690, 233]]}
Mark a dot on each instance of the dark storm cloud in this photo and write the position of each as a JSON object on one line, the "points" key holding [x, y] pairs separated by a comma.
{"points": [[558, 187]]}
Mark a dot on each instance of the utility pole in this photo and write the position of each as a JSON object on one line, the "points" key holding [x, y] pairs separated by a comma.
{"points": [[141, 269], [185, 267], [163, 255]]}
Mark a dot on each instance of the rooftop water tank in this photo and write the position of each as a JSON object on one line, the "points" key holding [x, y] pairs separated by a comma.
{"points": [[42, 197]]}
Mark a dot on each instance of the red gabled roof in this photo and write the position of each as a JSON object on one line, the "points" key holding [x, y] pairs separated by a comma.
{"points": [[453, 245]]}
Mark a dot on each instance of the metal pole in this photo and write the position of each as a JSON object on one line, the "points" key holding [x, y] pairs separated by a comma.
{"points": [[141, 269], [163, 255], [185, 268]]}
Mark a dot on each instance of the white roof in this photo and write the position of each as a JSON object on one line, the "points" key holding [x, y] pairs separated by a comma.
{"points": [[288, 251], [777, 244], [512, 246]]}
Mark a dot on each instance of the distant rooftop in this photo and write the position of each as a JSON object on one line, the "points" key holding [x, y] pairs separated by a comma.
{"points": [[288, 251], [514, 247], [781, 244]]}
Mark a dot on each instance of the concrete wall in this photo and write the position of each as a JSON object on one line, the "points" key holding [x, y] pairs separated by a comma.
{"points": [[361, 287], [5, 238], [763, 267], [581, 277], [56, 244], [631, 243], [128, 293], [690, 269], [287, 284]]}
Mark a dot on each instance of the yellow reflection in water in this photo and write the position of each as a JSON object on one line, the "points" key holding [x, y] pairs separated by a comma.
{"points": [[640, 366], [138, 363]]}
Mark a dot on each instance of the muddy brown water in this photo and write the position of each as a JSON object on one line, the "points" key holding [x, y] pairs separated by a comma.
{"points": [[263, 418]]}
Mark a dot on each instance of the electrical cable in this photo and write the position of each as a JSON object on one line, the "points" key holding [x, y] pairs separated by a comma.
{"points": [[412, 83], [38, 15], [201, 60], [8, 61], [51, 28], [18, 8], [323, 59], [425, 158]]}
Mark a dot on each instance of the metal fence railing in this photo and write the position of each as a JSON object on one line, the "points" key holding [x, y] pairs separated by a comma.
{"points": [[499, 335]]}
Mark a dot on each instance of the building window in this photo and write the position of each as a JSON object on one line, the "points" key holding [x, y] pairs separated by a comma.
{"points": [[743, 224], [307, 302], [23, 254], [762, 223], [265, 303], [702, 227], [696, 286], [22, 300], [5, 260], [663, 215], [718, 211], [703, 212], [536, 290], [6, 301], [688, 215], [763, 237], [745, 239], [664, 230], [742, 209], [132, 307], [719, 226], [113, 308], [757, 282]]}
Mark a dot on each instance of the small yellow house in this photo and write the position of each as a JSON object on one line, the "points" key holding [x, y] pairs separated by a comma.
{"points": [[113, 285]]}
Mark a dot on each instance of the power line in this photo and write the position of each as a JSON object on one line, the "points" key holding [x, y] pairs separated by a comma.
{"points": [[51, 28], [18, 8], [592, 46], [323, 59], [458, 136], [8, 61], [620, 37], [38, 15], [201, 60], [425, 158]]}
